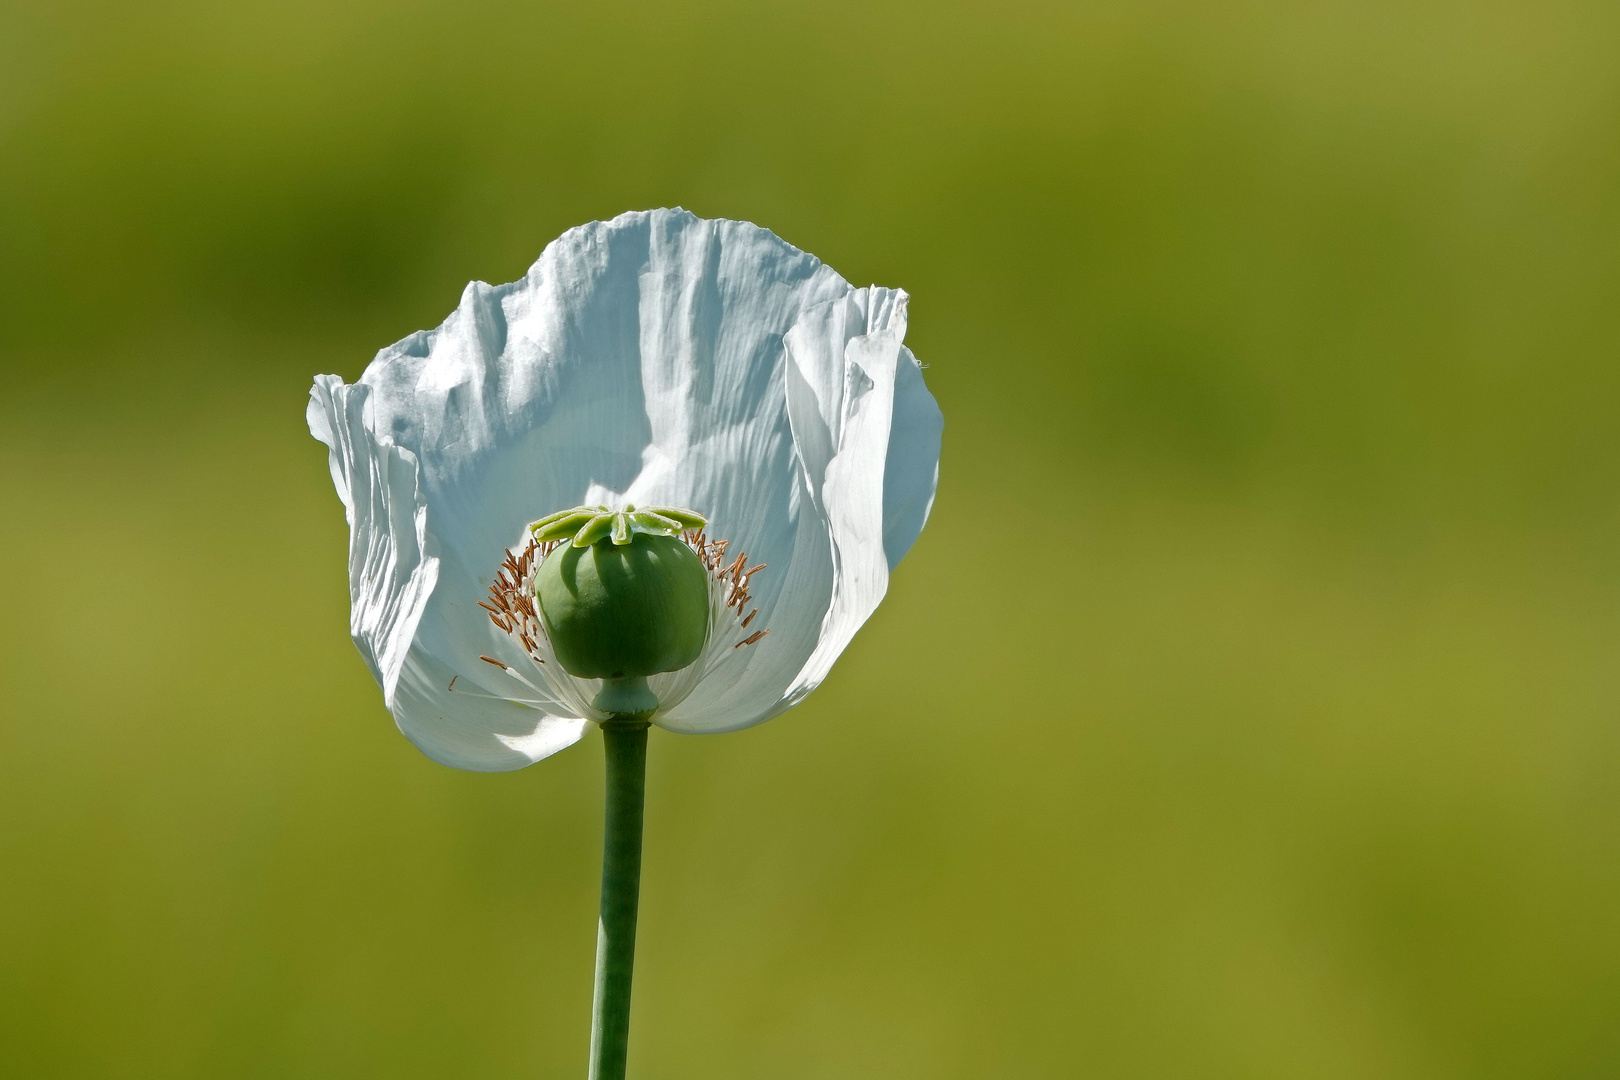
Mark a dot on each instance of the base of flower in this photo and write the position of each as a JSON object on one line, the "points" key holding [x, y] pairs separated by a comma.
{"points": [[625, 697]]}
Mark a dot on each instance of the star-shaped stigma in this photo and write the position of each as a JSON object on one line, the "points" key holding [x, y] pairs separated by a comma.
{"points": [[588, 524]]}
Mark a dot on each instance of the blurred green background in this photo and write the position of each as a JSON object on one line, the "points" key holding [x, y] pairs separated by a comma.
{"points": [[1289, 749]]}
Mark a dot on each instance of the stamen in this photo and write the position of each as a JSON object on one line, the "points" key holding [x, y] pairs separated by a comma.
{"points": [[511, 605]]}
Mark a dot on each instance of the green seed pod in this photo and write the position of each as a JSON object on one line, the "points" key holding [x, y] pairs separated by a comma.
{"points": [[624, 610]]}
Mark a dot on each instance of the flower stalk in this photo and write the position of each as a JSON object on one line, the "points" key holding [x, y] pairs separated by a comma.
{"points": [[624, 740]]}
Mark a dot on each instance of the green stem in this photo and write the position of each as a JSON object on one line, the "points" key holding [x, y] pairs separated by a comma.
{"points": [[625, 742]]}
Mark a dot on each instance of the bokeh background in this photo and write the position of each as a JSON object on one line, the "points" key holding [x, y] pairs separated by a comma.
{"points": [[1249, 708]]}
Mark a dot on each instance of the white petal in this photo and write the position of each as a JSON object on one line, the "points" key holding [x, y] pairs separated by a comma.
{"points": [[392, 573], [640, 360], [552, 735], [841, 362], [457, 727], [911, 472], [391, 569]]}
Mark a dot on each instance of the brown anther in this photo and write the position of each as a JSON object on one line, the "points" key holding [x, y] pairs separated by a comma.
{"points": [[751, 638], [497, 663], [750, 618]]}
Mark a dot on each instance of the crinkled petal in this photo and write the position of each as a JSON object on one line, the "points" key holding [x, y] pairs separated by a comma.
{"points": [[645, 360], [840, 363], [392, 571]]}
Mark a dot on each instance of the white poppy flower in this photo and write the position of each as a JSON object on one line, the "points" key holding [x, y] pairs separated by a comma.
{"points": [[659, 360]]}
